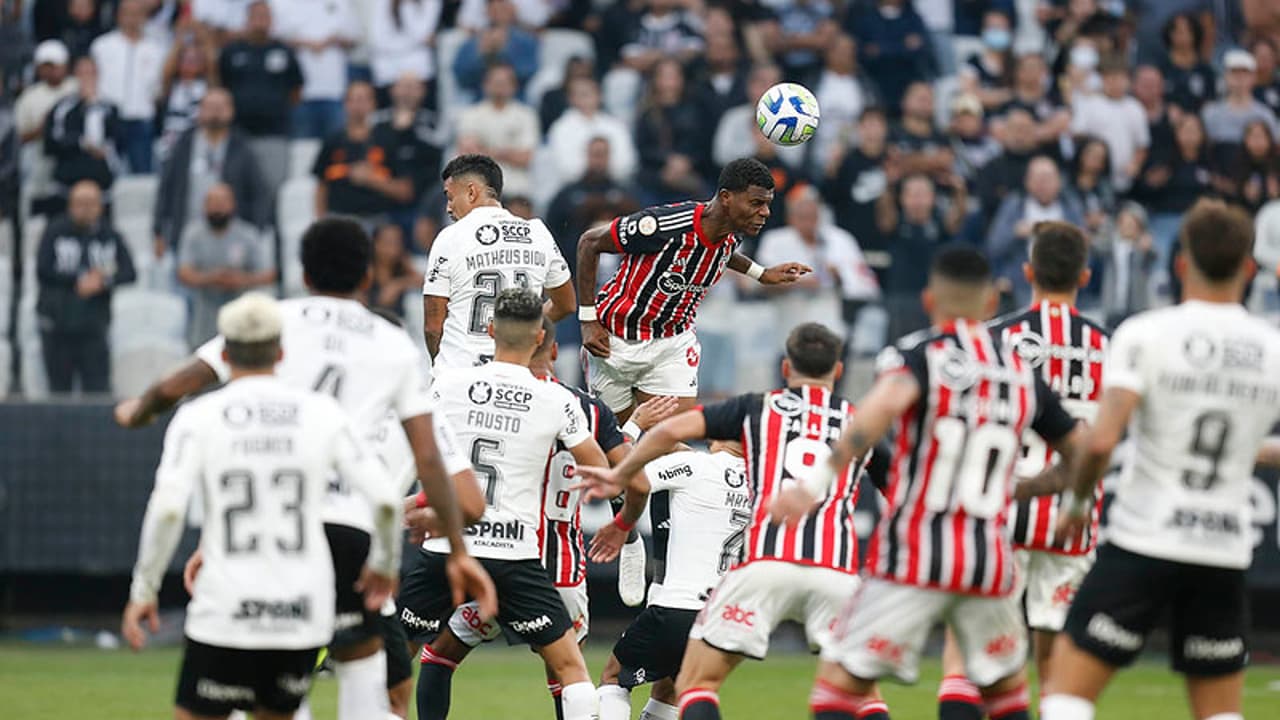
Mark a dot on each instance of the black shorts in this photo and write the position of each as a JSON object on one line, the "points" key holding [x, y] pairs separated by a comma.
{"points": [[652, 648], [396, 643], [528, 605], [350, 549], [216, 680], [1126, 594]]}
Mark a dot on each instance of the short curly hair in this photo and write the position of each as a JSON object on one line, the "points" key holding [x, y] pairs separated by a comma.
{"points": [[482, 166], [742, 173], [336, 255]]}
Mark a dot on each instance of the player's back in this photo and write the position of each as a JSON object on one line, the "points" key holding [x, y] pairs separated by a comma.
{"points": [[479, 256], [508, 422], [264, 453], [1209, 378]]}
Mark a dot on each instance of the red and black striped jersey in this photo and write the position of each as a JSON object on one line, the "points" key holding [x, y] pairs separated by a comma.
{"points": [[1068, 351], [953, 460], [784, 434], [668, 265], [560, 532]]}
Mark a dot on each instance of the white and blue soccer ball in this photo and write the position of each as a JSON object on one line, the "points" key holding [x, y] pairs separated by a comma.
{"points": [[787, 114]]}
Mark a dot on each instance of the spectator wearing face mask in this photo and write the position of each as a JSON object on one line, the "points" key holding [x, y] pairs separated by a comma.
{"points": [[989, 74], [220, 257]]}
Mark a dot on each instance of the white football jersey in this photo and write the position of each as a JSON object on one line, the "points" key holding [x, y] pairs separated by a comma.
{"points": [[390, 443], [474, 259], [710, 511], [260, 454], [337, 347], [1209, 378], [508, 421]]}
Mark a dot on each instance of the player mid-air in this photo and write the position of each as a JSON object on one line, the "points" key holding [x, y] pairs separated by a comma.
{"points": [[961, 402], [1200, 382], [259, 453]]}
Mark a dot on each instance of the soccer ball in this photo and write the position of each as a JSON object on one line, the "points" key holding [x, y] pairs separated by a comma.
{"points": [[787, 114]]}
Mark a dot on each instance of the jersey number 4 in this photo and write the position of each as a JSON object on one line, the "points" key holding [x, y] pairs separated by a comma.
{"points": [[290, 537]]}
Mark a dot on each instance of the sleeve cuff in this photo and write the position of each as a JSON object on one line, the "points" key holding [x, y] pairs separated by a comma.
{"points": [[613, 233]]}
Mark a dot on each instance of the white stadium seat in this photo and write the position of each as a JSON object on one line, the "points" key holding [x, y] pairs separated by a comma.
{"points": [[134, 368], [141, 317], [556, 48], [33, 381], [302, 155], [295, 210], [32, 231], [449, 97], [134, 196], [6, 363]]}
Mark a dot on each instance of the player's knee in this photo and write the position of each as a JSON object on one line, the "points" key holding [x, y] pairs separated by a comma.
{"points": [[357, 650], [564, 658], [835, 675], [448, 646], [1065, 707]]}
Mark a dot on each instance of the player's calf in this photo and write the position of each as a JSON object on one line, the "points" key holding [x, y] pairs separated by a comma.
{"points": [[564, 659]]}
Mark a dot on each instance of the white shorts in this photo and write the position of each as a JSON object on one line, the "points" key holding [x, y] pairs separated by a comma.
{"points": [[881, 633], [665, 366], [752, 600], [466, 624], [1050, 581]]}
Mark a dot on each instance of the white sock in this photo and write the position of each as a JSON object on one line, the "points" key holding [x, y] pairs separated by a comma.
{"points": [[615, 702], [303, 712], [1065, 707], [362, 687], [579, 701], [238, 715], [658, 710], [1226, 716]]}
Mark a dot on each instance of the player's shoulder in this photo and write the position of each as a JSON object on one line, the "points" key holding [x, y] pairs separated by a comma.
{"points": [[584, 398], [664, 219], [895, 355]]}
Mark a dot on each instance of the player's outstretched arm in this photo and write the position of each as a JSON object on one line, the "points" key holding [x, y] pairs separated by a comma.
{"points": [[782, 274], [359, 466], [601, 482], [195, 375], [591, 244], [1094, 455]]}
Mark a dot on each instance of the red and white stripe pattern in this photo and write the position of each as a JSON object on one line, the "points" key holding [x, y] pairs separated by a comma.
{"points": [[827, 698], [694, 696], [944, 528], [959, 689], [1010, 703], [781, 435], [1068, 351], [656, 294], [563, 553], [429, 657]]}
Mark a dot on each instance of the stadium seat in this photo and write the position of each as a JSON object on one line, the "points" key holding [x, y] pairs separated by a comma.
{"points": [[6, 293], [557, 47], [302, 155], [133, 196], [32, 231], [33, 382], [414, 318], [134, 368], [6, 365], [295, 209], [141, 317]]}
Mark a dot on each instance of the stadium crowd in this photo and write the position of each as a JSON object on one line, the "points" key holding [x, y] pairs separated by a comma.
{"points": [[183, 145]]}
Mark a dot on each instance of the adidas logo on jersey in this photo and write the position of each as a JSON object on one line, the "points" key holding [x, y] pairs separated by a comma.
{"points": [[524, 627], [299, 609]]}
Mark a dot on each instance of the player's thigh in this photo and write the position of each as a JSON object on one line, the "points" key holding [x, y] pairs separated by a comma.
{"points": [[396, 644], [1121, 598], [213, 681], [1052, 581], [653, 646], [283, 679], [611, 379], [528, 604], [563, 658], [470, 627], [671, 367], [829, 591], [952, 658], [425, 599], [747, 606], [354, 624], [882, 630], [991, 636], [1210, 621]]}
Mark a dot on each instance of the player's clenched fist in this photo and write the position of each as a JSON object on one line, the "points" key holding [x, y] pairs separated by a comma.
{"points": [[595, 338]]}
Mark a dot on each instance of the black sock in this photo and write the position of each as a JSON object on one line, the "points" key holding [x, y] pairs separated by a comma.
{"points": [[959, 699], [435, 684], [833, 715], [873, 710], [959, 710], [698, 704]]}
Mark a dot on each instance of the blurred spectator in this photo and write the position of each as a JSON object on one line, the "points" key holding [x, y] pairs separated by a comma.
{"points": [[81, 259], [504, 128], [719, 82], [407, 131], [800, 34], [212, 153], [264, 78], [75, 23], [1079, 77], [1031, 84], [665, 30], [989, 74], [892, 46], [668, 137], [915, 225], [501, 41], [569, 134], [842, 92], [1189, 81], [393, 273], [857, 181], [1225, 119], [188, 74], [1091, 181], [841, 281], [738, 130], [1128, 264], [1006, 171], [400, 39], [8, 160], [616, 22], [220, 257], [1151, 19], [1254, 177], [129, 68], [529, 14], [519, 205], [971, 145], [1266, 86], [33, 106], [916, 144], [1173, 180], [354, 173], [595, 194], [225, 19], [1042, 198], [320, 34], [556, 100], [81, 134], [1148, 90], [1117, 118]]}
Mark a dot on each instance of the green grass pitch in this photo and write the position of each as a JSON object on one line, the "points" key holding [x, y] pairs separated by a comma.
{"points": [[41, 683]]}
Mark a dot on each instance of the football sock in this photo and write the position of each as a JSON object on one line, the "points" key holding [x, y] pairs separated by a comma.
{"points": [[657, 710], [1226, 716], [615, 702], [828, 702], [555, 689], [435, 680], [362, 687], [303, 712], [959, 699], [699, 704], [1012, 705], [873, 710], [579, 701], [1066, 707]]}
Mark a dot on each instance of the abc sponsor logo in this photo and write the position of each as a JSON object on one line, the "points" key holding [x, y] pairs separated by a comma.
{"points": [[737, 615]]}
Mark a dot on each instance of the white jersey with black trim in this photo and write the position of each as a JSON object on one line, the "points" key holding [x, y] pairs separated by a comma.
{"points": [[710, 511], [259, 454], [471, 261], [337, 347], [1208, 375], [507, 422]]}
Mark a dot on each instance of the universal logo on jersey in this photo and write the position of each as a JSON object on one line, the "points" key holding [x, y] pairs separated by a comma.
{"points": [[487, 234], [786, 404], [1199, 350], [503, 397], [956, 371], [1033, 348]]}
